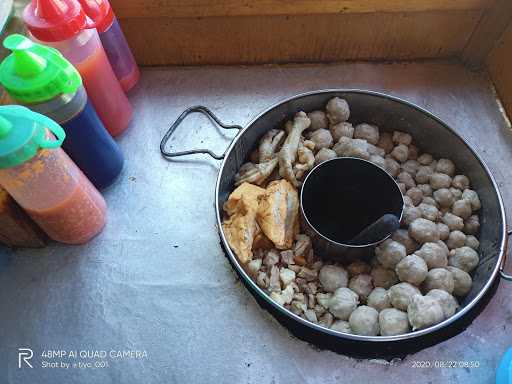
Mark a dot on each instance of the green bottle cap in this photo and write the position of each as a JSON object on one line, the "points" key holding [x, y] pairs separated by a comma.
{"points": [[23, 134], [34, 73]]}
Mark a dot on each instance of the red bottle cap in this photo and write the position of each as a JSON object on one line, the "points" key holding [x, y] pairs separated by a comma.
{"points": [[100, 12], [55, 20]]}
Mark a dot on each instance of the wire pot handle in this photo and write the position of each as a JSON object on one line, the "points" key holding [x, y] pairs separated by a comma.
{"points": [[503, 274], [200, 109]]}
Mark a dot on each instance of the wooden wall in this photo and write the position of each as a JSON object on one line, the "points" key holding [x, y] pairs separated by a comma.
{"points": [[499, 63], [178, 32]]}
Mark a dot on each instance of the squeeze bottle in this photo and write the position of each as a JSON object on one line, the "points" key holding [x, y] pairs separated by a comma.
{"points": [[42, 79], [63, 24], [43, 180], [114, 43]]}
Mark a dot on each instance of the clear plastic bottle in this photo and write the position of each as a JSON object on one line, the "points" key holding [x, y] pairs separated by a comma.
{"points": [[113, 40], [42, 79], [62, 24], [44, 181]]}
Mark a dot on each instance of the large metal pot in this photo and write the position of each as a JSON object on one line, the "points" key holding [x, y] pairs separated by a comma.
{"points": [[389, 113]]}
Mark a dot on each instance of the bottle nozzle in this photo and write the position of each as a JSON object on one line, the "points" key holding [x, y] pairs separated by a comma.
{"points": [[5, 127], [26, 64]]}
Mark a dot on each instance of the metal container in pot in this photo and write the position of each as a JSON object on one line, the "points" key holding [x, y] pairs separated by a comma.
{"points": [[389, 113]]}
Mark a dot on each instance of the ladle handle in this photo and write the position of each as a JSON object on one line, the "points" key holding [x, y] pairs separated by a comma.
{"points": [[205, 111], [503, 274]]}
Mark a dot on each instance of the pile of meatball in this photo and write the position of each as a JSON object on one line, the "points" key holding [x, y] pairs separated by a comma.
{"points": [[416, 277]]}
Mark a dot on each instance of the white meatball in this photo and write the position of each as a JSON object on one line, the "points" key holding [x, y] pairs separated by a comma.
{"points": [[455, 223], [389, 253], [358, 267], [410, 214], [343, 302], [472, 242], [378, 160], [457, 193], [400, 295], [434, 255], [423, 175], [430, 201], [367, 132], [440, 180], [324, 154], [428, 211], [364, 321], [378, 299], [333, 277], [391, 166], [407, 179], [385, 142], [383, 277], [471, 225], [412, 269], [346, 147], [443, 197], [424, 311], [425, 159], [341, 326], [343, 129], [444, 231], [473, 198], [461, 182], [362, 285], [464, 258], [400, 153], [439, 278], [415, 195], [447, 301], [423, 231], [445, 166], [402, 236], [411, 167], [393, 322], [456, 239], [462, 281], [426, 189], [462, 208], [318, 120], [337, 110], [322, 138], [402, 138]]}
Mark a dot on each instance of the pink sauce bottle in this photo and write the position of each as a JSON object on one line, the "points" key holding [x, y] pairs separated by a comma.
{"points": [[114, 43], [63, 24], [44, 181]]}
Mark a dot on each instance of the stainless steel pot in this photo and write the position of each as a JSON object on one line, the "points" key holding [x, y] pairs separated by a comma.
{"points": [[389, 113]]}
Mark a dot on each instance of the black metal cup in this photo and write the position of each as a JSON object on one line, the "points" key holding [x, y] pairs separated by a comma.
{"points": [[340, 198]]}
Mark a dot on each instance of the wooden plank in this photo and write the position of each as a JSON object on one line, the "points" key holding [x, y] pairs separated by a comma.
{"points": [[494, 21], [284, 39], [500, 64], [207, 8]]}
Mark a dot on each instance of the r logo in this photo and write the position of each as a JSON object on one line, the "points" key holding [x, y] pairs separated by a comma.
{"points": [[25, 354]]}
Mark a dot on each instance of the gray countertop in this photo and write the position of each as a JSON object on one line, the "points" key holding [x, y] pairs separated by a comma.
{"points": [[157, 281]]}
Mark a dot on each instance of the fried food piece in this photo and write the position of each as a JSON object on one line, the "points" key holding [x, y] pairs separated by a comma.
{"points": [[278, 213], [269, 144]]}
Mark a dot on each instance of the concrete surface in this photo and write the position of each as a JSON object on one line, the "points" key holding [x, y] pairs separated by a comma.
{"points": [[156, 280]]}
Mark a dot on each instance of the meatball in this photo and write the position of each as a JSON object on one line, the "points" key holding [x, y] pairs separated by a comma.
{"points": [[439, 278], [424, 311], [379, 299], [358, 267], [411, 167], [444, 197], [447, 301], [464, 258], [332, 277], [434, 254], [364, 321], [362, 285], [322, 138], [324, 154], [410, 214], [455, 223], [402, 236], [389, 253], [343, 129], [426, 189], [341, 326], [412, 269], [471, 225], [462, 208], [367, 132], [415, 195], [425, 159], [337, 110], [445, 166], [406, 178], [318, 120], [393, 322], [423, 231], [461, 182], [429, 212], [440, 180], [456, 239], [391, 166], [473, 198], [343, 302], [444, 231], [400, 152], [423, 174], [400, 295], [352, 148], [462, 281], [383, 277], [472, 242], [402, 138]]}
